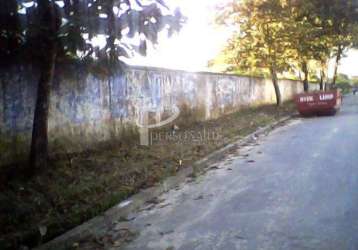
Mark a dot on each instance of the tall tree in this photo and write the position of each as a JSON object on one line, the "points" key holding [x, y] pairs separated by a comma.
{"points": [[49, 27], [339, 20], [262, 41], [308, 38], [296, 33], [45, 32]]}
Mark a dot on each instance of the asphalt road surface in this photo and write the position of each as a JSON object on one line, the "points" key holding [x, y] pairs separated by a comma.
{"points": [[297, 188]]}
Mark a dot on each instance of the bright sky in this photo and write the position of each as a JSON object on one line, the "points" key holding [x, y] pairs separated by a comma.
{"points": [[198, 41], [349, 64], [201, 40]]}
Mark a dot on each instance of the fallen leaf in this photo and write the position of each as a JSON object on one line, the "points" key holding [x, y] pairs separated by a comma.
{"points": [[43, 230], [165, 233], [214, 168], [200, 197], [117, 243], [165, 205]]}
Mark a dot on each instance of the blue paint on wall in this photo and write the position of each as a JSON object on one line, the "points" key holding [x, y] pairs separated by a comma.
{"points": [[119, 97]]}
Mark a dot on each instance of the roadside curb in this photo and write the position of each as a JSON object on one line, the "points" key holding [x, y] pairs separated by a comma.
{"points": [[239, 141], [98, 226]]}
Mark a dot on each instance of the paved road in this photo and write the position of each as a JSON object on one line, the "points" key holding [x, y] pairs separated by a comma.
{"points": [[301, 192]]}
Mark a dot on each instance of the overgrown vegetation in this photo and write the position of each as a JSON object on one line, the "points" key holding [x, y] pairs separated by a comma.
{"points": [[79, 187]]}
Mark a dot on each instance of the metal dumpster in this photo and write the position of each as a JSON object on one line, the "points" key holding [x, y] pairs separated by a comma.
{"points": [[319, 103]]}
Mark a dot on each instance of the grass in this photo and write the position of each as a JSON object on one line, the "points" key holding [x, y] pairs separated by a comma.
{"points": [[76, 188]]}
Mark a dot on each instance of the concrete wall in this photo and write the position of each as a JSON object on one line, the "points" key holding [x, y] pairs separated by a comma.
{"points": [[87, 110]]}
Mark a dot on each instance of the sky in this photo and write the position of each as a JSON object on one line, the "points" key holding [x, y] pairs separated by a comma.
{"points": [[349, 64], [200, 40]]}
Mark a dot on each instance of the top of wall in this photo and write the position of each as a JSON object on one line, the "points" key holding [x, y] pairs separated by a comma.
{"points": [[150, 68], [160, 69]]}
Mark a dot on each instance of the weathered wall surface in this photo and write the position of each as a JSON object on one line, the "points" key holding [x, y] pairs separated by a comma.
{"points": [[86, 110]]}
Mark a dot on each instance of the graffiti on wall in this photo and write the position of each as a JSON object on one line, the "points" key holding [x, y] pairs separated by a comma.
{"points": [[127, 98]]}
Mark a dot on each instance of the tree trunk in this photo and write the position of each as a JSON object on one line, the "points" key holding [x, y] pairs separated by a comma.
{"points": [[276, 86], [338, 59], [39, 142], [305, 80], [321, 83], [324, 75]]}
